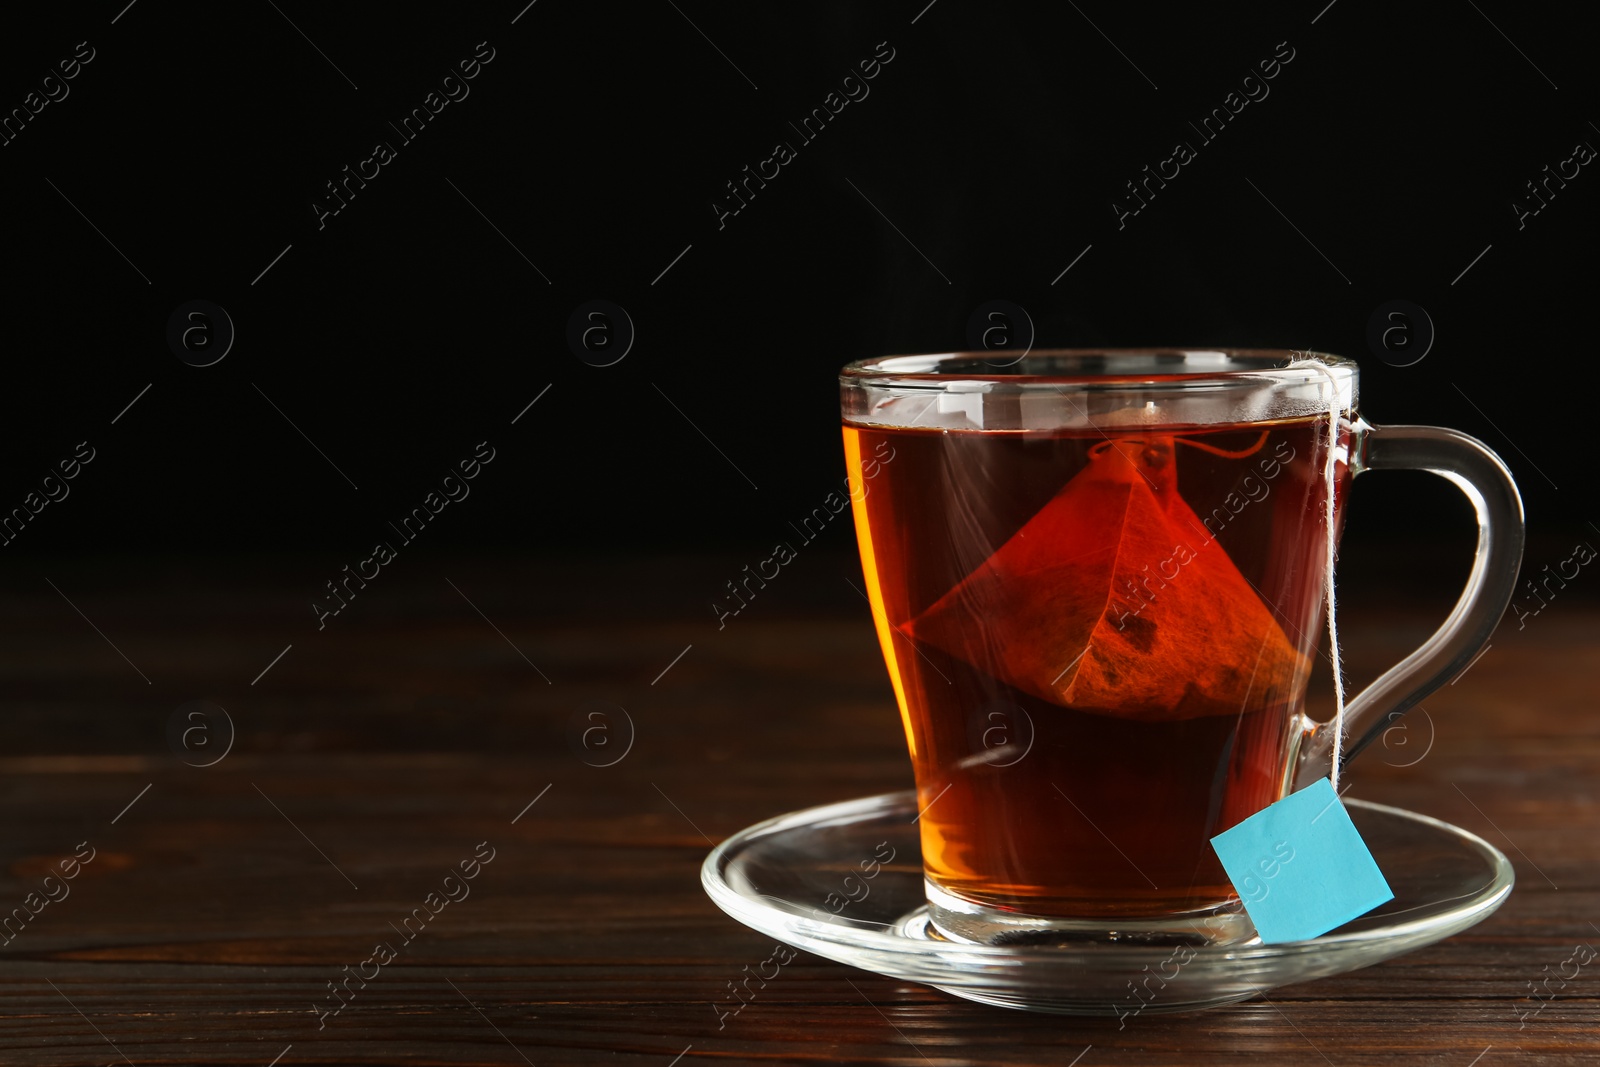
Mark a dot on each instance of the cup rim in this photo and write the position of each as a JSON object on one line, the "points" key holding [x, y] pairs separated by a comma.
{"points": [[1168, 365]]}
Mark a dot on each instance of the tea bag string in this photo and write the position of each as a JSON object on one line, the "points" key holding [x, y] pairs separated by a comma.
{"points": [[1237, 453], [1328, 472], [1225, 453]]}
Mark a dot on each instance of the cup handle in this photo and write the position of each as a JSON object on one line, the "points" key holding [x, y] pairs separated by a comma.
{"points": [[1483, 477]]}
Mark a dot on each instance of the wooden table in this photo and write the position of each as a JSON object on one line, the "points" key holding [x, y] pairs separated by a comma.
{"points": [[375, 755]]}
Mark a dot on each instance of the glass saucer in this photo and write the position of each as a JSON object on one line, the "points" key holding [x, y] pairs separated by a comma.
{"points": [[844, 881]]}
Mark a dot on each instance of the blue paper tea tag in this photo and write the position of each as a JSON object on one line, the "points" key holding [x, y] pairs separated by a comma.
{"points": [[1300, 866]]}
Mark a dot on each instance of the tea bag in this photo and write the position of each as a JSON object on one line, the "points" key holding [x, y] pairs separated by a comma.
{"points": [[1114, 599]]}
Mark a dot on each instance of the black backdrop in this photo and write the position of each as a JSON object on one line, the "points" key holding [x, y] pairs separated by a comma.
{"points": [[584, 163]]}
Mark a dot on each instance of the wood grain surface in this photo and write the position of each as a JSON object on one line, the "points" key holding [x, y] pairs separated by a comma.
{"points": [[379, 752]]}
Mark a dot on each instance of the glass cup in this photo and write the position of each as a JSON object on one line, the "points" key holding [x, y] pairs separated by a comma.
{"points": [[1098, 582]]}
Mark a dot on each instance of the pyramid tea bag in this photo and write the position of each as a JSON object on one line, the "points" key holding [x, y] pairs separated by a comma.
{"points": [[1114, 599]]}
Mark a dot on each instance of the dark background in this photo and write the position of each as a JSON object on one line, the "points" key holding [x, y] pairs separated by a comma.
{"points": [[581, 571], [409, 329]]}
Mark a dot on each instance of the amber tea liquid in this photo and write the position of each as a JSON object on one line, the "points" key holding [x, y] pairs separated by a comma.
{"points": [[1095, 794]]}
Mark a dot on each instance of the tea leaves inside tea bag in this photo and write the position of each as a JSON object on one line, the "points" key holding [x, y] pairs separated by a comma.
{"points": [[1114, 599]]}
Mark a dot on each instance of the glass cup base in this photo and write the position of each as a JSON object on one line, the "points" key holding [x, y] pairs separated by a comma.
{"points": [[955, 918]]}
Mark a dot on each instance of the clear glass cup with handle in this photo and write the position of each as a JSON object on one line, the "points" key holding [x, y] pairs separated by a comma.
{"points": [[1098, 582]]}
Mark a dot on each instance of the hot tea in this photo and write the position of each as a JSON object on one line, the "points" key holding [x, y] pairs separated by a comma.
{"points": [[1099, 640]]}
